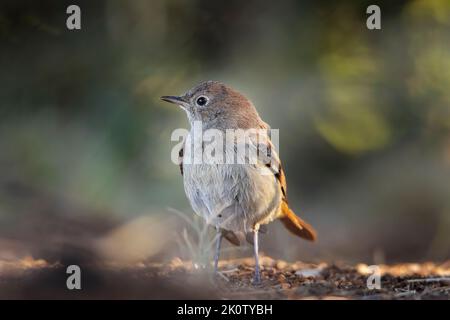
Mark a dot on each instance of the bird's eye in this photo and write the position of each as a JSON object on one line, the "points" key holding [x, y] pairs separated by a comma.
{"points": [[201, 101]]}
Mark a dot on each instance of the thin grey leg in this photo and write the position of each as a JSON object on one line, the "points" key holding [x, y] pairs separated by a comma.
{"points": [[217, 253], [257, 278]]}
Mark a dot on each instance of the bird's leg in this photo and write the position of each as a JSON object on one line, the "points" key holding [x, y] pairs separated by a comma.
{"points": [[217, 253], [257, 278]]}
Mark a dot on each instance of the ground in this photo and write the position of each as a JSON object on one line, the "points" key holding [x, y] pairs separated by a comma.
{"points": [[34, 278]]}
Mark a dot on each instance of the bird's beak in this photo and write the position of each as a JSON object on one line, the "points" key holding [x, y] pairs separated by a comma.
{"points": [[176, 100]]}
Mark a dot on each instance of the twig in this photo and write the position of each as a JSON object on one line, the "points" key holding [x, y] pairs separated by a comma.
{"points": [[429, 280], [223, 276], [446, 288], [230, 270], [405, 294]]}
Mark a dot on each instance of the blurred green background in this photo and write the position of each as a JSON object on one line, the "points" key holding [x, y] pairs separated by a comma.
{"points": [[364, 119]]}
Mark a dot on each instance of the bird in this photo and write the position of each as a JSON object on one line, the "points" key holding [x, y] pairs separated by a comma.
{"points": [[238, 197]]}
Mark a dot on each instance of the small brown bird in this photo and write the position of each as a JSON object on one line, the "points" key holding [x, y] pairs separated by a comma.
{"points": [[236, 198]]}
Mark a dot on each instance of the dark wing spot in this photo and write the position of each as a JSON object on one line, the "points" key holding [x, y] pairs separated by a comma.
{"points": [[281, 178], [180, 155]]}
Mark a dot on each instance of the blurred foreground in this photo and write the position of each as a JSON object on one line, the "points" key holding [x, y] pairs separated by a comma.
{"points": [[36, 279]]}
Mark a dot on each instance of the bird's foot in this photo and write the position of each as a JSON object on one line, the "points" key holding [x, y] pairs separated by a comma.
{"points": [[256, 279]]}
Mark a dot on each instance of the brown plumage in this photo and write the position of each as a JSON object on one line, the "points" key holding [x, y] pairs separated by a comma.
{"points": [[289, 219], [237, 197], [296, 225]]}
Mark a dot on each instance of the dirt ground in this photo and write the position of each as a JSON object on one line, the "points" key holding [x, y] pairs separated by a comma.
{"points": [[38, 279]]}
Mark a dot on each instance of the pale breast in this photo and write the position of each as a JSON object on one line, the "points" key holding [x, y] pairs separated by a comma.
{"points": [[232, 196]]}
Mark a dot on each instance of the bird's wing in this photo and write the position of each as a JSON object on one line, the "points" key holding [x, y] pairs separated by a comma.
{"points": [[269, 157]]}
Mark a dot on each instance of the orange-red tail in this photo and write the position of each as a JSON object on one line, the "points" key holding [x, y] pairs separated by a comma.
{"points": [[296, 225]]}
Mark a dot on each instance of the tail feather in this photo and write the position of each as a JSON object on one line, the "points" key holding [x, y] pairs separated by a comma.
{"points": [[296, 225]]}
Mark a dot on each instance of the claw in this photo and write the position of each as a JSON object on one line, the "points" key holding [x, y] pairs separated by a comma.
{"points": [[257, 278]]}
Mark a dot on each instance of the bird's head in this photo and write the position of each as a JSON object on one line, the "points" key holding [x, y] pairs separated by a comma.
{"points": [[217, 106]]}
